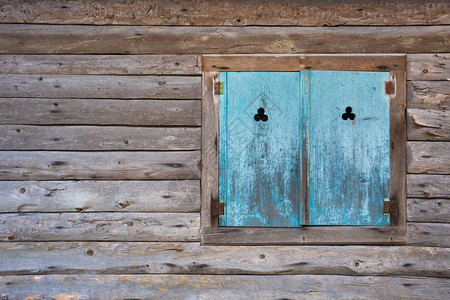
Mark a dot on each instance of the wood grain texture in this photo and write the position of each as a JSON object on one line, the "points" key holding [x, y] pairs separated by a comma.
{"points": [[429, 210], [227, 13], [298, 62], [100, 227], [428, 186], [429, 234], [100, 86], [221, 287], [31, 111], [99, 196], [76, 39], [428, 157], [210, 149], [52, 165], [311, 235], [101, 64], [106, 138], [429, 66], [428, 94], [428, 125], [19, 258]]}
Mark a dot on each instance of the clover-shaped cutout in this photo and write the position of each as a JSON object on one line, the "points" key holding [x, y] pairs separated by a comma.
{"points": [[260, 116], [348, 114]]}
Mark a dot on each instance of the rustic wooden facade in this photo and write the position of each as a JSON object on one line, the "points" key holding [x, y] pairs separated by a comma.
{"points": [[100, 149]]}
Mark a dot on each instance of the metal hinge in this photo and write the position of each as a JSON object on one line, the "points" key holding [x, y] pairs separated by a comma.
{"points": [[389, 87], [217, 208], [218, 88], [389, 207]]}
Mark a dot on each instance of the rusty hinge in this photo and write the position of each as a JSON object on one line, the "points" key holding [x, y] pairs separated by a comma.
{"points": [[217, 208], [389, 87], [218, 88], [389, 207]]}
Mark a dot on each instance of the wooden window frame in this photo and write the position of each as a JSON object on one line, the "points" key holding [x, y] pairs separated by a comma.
{"points": [[212, 234]]}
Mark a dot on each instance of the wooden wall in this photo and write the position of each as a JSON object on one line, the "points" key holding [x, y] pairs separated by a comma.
{"points": [[100, 149]]}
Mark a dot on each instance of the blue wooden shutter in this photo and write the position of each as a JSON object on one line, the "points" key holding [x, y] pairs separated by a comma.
{"points": [[349, 160], [260, 161]]}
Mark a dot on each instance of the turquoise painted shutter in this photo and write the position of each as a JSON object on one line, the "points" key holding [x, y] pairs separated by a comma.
{"points": [[259, 159], [349, 160]]}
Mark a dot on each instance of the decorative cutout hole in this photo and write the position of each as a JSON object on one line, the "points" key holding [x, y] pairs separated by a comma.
{"points": [[260, 116], [348, 114]]}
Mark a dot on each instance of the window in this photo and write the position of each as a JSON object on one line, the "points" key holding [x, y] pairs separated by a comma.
{"points": [[303, 149]]}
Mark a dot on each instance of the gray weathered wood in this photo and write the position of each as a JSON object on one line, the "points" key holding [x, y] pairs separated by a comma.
{"points": [[13, 137], [428, 186], [100, 64], [19, 258], [100, 227], [429, 210], [311, 235], [75, 39], [100, 112], [100, 86], [222, 287], [429, 234], [429, 66], [428, 94], [428, 157], [228, 13], [428, 125], [100, 196], [51, 165]]}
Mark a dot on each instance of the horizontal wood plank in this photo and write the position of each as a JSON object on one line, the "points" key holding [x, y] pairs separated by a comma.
{"points": [[100, 64], [222, 287], [298, 62], [428, 94], [310, 235], [429, 234], [429, 210], [428, 125], [100, 86], [34, 111], [428, 157], [100, 227], [192, 258], [429, 66], [100, 196], [428, 186], [52, 165], [227, 13], [13, 137], [76, 39]]}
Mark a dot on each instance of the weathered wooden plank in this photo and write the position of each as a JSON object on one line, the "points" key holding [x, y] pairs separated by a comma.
{"points": [[429, 210], [428, 157], [429, 66], [100, 64], [13, 137], [100, 227], [428, 94], [76, 39], [298, 62], [228, 13], [100, 112], [100, 86], [100, 196], [210, 149], [429, 234], [428, 186], [311, 235], [428, 125], [222, 287], [43, 165], [19, 258]]}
